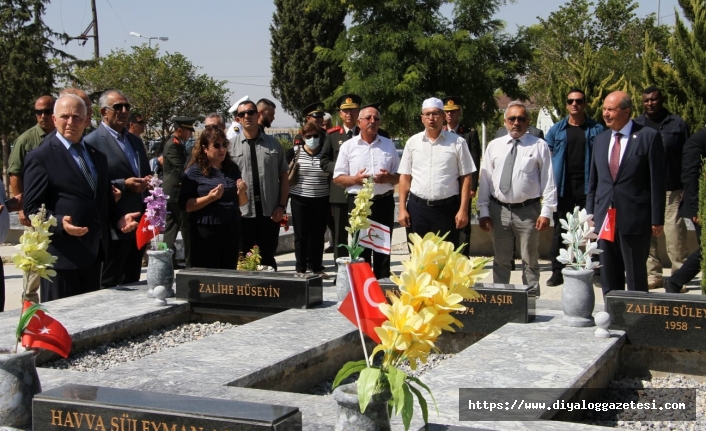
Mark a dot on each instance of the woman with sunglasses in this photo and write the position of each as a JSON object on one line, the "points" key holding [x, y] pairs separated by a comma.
{"points": [[212, 192], [310, 207]]}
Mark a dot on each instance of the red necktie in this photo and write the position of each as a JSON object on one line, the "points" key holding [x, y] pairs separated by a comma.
{"points": [[614, 162]]}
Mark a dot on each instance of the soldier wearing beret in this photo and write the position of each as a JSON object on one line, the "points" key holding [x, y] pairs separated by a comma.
{"points": [[174, 163], [453, 113]]}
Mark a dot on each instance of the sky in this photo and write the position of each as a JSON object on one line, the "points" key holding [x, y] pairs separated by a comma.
{"points": [[230, 39]]}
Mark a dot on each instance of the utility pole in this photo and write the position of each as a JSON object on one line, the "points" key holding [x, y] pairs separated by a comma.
{"points": [[658, 1], [83, 37]]}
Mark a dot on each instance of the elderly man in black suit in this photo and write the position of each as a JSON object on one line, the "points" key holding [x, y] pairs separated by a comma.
{"points": [[129, 171], [626, 173], [70, 177]]}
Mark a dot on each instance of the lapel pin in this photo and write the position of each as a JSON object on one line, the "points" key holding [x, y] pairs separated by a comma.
{"points": [[634, 136]]}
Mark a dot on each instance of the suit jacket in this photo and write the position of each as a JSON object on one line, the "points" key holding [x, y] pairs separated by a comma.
{"points": [[119, 169], [531, 130], [174, 165], [637, 194], [471, 136], [694, 151], [52, 177]]}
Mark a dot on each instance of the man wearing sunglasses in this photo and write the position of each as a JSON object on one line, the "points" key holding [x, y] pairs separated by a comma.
{"points": [[571, 143], [26, 142], [128, 171], [263, 167], [136, 125], [517, 196]]}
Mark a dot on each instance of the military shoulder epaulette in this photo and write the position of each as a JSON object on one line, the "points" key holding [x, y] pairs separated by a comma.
{"points": [[337, 129]]}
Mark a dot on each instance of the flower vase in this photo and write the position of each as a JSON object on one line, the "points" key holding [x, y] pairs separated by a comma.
{"points": [[343, 285], [19, 383], [577, 297], [349, 417], [160, 271]]}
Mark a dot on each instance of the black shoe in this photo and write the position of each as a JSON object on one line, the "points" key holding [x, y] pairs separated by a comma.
{"points": [[670, 287], [555, 280], [328, 249]]}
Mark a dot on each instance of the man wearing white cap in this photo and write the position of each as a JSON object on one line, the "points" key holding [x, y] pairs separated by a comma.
{"points": [[435, 178], [235, 128]]}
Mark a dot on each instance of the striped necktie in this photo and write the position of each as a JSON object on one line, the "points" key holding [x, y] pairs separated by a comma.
{"points": [[84, 166]]}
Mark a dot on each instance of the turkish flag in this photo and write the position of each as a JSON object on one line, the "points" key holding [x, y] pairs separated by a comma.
{"points": [[144, 234], [367, 294], [608, 229], [43, 332]]}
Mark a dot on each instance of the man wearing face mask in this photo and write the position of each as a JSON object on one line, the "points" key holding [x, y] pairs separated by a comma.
{"points": [[310, 207], [364, 156]]}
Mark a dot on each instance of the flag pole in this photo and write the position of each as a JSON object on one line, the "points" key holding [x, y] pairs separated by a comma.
{"points": [[357, 315]]}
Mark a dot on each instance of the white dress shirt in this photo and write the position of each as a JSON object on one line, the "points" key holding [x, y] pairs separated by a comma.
{"points": [[625, 131], [436, 166], [532, 174], [356, 154]]}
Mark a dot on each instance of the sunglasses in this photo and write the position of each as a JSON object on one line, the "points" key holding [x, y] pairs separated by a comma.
{"points": [[519, 119], [371, 118], [571, 101], [141, 122], [218, 146], [40, 112], [249, 112], [119, 107], [311, 136]]}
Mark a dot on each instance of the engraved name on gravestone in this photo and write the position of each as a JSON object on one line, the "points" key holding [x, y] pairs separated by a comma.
{"points": [[92, 408], [670, 320], [248, 288], [496, 305]]}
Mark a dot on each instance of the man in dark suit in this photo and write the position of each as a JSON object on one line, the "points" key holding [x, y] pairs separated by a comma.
{"points": [[129, 172], [692, 166], [70, 177], [626, 173]]}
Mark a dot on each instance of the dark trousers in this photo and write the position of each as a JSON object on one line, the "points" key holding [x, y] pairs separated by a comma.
{"points": [[439, 219], [689, 269], [2, 288], [464, 236], [215, 245], [309, 217], [565, 205], [177, 221], [263, 232], [71, 282], [383, 212], [340, 234], [124, 263], [624, 261]]}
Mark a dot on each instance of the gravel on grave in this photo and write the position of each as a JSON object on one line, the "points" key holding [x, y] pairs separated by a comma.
{"points": [[622, 391], [113, 354]]}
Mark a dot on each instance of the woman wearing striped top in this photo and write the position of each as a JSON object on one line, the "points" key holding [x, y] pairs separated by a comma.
{"points": [[310, 207]]}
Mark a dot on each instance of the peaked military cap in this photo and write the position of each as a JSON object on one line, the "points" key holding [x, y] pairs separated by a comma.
{"points": [[375, 105], [185, 122], [316, 109], [349, 101], [452, 103]]}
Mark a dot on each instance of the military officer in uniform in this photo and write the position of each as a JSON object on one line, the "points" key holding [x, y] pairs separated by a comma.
{"points": [[235, 128], [453, 113], [174, 165]]}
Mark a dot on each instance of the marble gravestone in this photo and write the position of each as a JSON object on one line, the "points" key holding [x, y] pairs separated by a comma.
{"points": [[248, 289], [496, 305], [92, 408], [669, 320]]}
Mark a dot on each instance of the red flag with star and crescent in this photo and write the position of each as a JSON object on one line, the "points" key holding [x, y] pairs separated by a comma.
{"points": [[607, 231], [366, 292], [144, 234], [45, 332]]}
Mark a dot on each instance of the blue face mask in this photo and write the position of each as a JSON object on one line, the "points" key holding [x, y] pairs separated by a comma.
{"points": [[312, 143]]}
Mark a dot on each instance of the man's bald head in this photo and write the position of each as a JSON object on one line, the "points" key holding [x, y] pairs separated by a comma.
{"points": [[86, 100], [43, 109]]}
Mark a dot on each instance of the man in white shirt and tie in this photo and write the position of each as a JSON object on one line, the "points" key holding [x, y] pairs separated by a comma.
{"points": [[517, 195]]}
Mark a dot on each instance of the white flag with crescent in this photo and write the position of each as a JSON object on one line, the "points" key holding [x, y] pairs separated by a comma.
{"points": [[377, 237]]}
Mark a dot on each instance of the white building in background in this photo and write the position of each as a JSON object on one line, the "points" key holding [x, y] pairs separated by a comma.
{"points": [[544, 120]]}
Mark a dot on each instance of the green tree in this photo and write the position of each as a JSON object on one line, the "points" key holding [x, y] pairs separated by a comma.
{"points": [[682, 77], [26, 72], [597, 49], [159, 87], [299, 76]]}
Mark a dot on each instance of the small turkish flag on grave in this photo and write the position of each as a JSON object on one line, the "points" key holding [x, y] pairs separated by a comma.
{"points": [[363, 300], [144, 234], [44, 332], [608, 229]]}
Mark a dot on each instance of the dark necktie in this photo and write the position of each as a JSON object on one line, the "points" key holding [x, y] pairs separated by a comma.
{"points": [[614, 162], [350, 133], [506, 175], [84, 166], [255, 176]]}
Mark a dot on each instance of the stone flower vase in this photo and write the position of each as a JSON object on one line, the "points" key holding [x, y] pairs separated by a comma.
{"points": [[160, 271], [349, 417], [19, 383], [343, 285], [577, 297]]}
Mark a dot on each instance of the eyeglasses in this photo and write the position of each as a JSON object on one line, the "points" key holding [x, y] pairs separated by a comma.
{"points": [[431, 114], [519, 119], [249, 112], [40, 112], [311, 136], [218, 146], [119, 107], [571, 101], [141, 122], [371, 118]]}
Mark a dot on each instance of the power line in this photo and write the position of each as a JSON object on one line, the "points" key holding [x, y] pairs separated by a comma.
{"points": [[245, 83]]}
